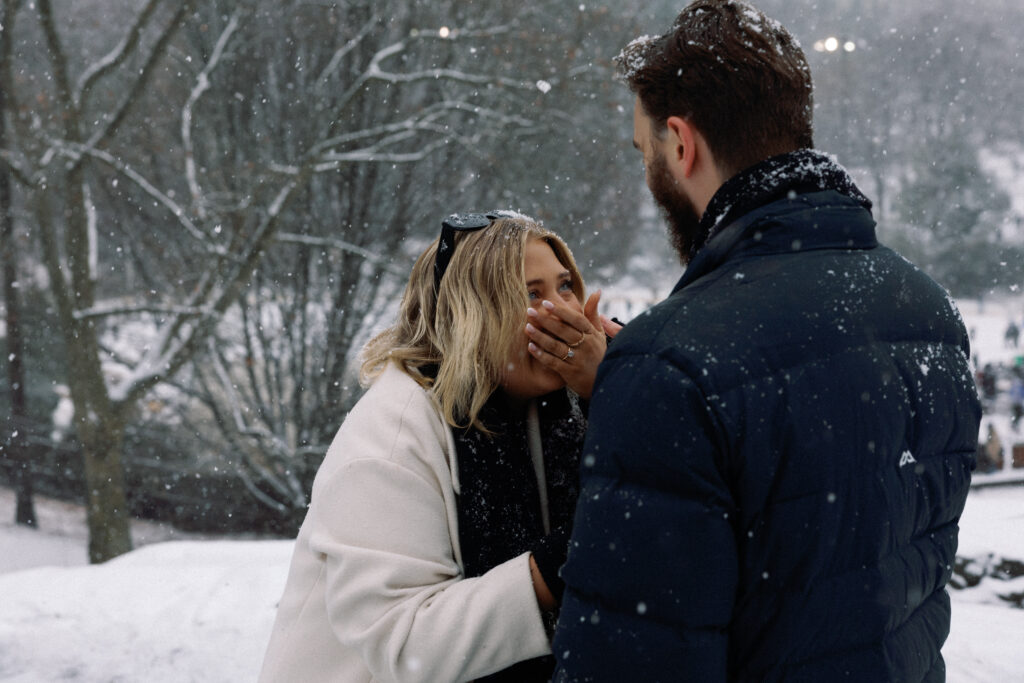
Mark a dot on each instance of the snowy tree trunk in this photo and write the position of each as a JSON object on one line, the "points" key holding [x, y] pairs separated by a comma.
{"points": [[69, 243], [21, 475], [99, 422], [107, 504]]}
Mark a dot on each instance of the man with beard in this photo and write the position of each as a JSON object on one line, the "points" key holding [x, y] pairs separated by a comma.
{"points": [[778, 453]]}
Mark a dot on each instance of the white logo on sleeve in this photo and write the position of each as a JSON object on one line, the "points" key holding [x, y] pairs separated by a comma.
{"points": [[906, 458]]}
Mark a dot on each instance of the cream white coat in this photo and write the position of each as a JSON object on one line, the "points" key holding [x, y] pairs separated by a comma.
{"points": [[375, 591]]}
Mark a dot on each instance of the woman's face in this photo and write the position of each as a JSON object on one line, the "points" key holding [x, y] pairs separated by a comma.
{"points": [[546, 278]]}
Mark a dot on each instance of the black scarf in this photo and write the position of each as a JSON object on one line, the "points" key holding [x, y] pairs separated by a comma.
{"points": [[499, 507], [799, 172]]}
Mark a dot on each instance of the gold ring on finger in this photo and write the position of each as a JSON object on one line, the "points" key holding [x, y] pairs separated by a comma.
{"points": [[568, 354], [583, 335]]}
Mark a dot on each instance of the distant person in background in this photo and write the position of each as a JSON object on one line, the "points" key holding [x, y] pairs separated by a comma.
{"points": [[1016, 396], [440, 515], [1012, 335], [991, 452], [987, 379], [777, 454]]}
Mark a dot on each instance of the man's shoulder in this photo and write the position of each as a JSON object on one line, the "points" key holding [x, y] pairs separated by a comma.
{"points": [[813, 299], [667, 333]]}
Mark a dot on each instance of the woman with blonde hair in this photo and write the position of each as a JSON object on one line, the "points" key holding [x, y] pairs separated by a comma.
{"points": [[439, 517]]}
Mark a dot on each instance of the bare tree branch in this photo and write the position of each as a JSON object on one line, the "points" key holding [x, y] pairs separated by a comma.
{"points": [[291, 238], [333, 161], [287, 485], [115, 57], [420, 121], [180, 340], [202, 85], [345, 49], [18, 170], [258, 390], [265, 474], [111, 309], [133, 94], [77, 150], [375, 72], [60, 66]]}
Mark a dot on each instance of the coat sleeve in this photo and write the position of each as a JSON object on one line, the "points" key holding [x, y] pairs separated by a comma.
{"points": [[394, 590], [652, 567]]}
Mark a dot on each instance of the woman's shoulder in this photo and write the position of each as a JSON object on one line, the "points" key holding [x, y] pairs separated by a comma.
{"points": [[396, 419], [393, 378], [394, 395]]}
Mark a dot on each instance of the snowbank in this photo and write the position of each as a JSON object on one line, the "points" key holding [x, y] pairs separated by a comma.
{"points": [[201, 611], [171, 612]]}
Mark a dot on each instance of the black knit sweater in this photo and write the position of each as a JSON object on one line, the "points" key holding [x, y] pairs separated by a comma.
{"points": [[499, 507]]}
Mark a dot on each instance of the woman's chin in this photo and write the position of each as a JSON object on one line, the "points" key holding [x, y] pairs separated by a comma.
{"points": [[547, 381], [531, 381]]}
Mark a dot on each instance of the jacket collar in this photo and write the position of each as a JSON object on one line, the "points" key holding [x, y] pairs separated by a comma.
{"points": [[784, 185]]}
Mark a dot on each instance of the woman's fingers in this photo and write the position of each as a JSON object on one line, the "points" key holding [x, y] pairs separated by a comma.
{"points": [[541, 340], [590, 309], [568, 329], [564, 318], [563, 338], [610, 327]]}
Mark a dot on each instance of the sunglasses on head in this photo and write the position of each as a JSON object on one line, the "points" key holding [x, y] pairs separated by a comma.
{"points": [[459, 222]]}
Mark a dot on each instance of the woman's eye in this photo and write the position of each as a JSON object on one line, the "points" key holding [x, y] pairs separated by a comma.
{"points": [[533, 295], [566, 285]]}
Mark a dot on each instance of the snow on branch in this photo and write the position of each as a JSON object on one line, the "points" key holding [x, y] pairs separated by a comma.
{"points": [[386, 129], [155, 364], [118, 309], [75, 150], [345, 49], [202, 85], [428, 120], [486, 112], [375, 72], [378, 153], [428, 115], [91, 232], [333, 161], [342, 245], [22, 174], [179, 339]]}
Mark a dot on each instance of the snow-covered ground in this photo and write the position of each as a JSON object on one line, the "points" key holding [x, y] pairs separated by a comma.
{"points": [[170, 611], [183, 608], [201, 610]]}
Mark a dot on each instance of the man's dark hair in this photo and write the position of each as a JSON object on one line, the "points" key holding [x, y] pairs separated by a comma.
{"points": [[735, 74]]}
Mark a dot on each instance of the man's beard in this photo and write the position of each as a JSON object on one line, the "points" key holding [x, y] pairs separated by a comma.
{"points": [[680, 214]]}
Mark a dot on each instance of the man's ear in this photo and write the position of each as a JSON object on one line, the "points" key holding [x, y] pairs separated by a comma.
{"points": [[682, 138]]}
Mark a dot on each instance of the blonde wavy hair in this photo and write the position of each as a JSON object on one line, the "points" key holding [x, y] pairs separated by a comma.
{"points": [[470, 329]]}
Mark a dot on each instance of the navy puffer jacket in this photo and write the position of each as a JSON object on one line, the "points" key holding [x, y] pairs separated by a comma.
{"points": [[777, 458]]}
